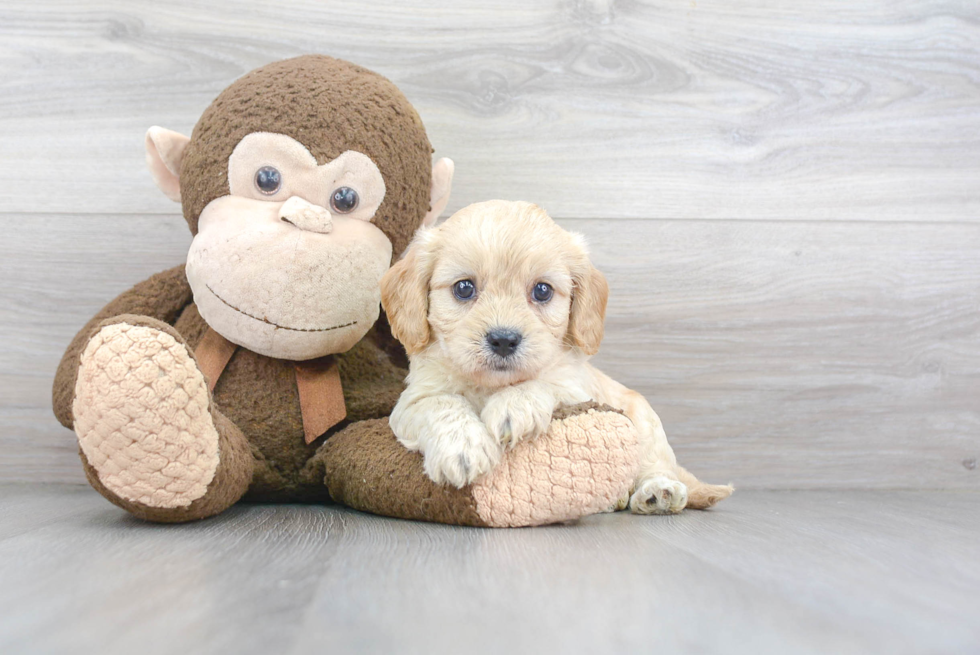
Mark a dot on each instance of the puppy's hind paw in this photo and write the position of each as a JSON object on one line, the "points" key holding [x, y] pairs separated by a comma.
{"points": [[621, 504], [659, 495]]}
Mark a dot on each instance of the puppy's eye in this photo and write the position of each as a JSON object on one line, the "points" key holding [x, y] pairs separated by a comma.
{"points": [[542, 292], [268, 180], [464, 290], [344, 200]]}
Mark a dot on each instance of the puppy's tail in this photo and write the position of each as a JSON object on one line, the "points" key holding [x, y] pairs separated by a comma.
{"points": [[701, 495]]}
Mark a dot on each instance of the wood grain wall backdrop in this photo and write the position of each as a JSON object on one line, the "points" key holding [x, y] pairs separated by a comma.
{"points": [[785, 196]]}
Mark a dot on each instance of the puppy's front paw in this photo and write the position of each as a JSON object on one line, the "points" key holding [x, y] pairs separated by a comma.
{"points": [[514, 414], [659, 495], [461, 456]]}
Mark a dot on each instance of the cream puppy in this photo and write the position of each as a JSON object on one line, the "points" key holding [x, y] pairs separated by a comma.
{"points": [[499, 310]]}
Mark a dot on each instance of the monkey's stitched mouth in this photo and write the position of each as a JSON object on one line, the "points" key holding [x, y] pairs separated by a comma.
{"points": [[268, 322]]}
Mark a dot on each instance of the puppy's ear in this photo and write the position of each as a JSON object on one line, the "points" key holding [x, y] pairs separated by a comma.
{"points": [[405, 294], [588, 312]]}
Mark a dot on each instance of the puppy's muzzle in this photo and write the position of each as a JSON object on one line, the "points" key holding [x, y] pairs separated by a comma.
{"points": [[504, 343]]}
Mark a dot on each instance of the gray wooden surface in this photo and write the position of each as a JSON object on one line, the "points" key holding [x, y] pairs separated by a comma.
{"points": [[785, 195], [796, 109], [766, 572]]}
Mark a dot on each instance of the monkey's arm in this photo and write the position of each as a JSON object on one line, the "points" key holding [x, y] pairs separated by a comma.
{"points": [[162, 297]]}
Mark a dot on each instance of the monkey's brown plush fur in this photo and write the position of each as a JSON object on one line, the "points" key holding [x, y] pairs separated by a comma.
{"points": [[254, 438]]}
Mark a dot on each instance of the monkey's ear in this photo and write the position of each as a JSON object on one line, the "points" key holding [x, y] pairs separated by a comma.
{"points": [[405, 294], [164, 150], [442, 184]]}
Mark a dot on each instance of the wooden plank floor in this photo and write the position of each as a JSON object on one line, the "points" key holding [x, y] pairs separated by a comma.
{"points": [[802, 109], [767, 572]]}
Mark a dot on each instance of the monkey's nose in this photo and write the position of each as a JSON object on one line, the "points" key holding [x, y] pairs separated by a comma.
{"points": [[306, 216]]}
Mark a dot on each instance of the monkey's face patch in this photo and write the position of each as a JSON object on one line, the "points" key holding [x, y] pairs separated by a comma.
{"points": [[275, 167], [288, 265]]}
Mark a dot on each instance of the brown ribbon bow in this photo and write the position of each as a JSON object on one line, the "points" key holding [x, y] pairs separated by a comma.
{"points": [[321, 395]]}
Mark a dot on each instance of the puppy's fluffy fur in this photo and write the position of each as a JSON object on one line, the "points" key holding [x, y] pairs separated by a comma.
{"points": [[464, 402]]}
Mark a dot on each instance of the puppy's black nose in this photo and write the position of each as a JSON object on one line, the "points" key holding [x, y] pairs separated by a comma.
{"points": [[504, 342]]}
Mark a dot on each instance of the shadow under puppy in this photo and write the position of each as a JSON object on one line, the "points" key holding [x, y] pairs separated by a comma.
{"points": [[499, 310]]}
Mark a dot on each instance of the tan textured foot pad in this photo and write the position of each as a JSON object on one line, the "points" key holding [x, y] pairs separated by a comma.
{"points": [[583, 465], [142, 418]]}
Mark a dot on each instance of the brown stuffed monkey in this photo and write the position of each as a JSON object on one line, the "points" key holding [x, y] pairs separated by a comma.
{"points": [[260, 369]]}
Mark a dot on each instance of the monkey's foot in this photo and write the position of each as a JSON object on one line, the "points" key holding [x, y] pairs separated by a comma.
{"points": [[142, 417], [583, 464]]}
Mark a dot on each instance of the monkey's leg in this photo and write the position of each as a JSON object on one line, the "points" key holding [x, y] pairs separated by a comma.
{"points": [[162, 296], [150, 439], [583, 465]]}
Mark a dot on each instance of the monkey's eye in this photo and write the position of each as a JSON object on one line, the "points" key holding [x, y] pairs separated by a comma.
{"points": [[268, 180], [344, 200], [542, 292], [464, 290]]}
